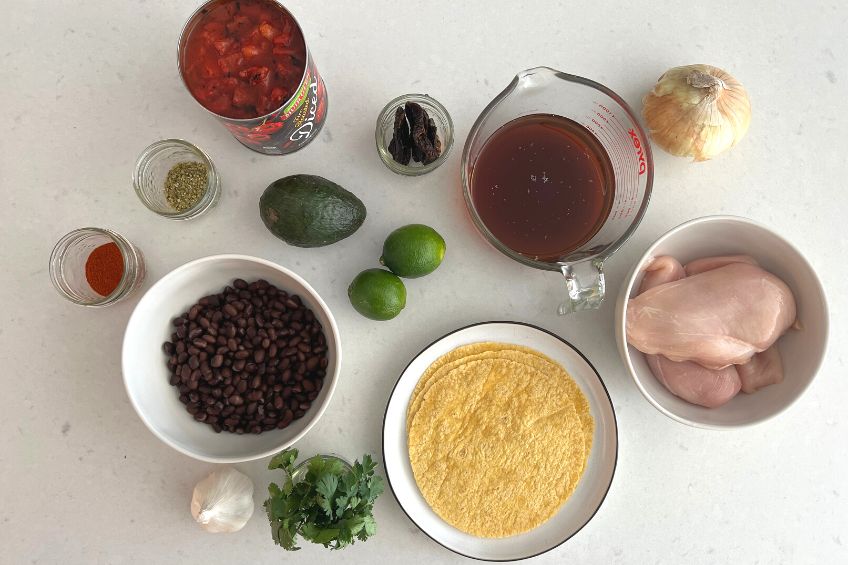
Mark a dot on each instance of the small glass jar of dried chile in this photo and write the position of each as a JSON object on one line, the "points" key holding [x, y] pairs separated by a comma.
{"points": [[96, 267], [414, 134]]}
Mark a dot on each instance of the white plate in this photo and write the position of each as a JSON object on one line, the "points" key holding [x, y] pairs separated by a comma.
{"points": [[591, 489]]}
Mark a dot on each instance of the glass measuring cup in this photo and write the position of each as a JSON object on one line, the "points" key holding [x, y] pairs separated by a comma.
{"points": [[610, 120]]}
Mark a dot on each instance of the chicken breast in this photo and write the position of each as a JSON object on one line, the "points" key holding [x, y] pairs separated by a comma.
{"points": [[661, 270], [694, 383], [762, 370], [689, 381], [715, 318], [709, 263]]}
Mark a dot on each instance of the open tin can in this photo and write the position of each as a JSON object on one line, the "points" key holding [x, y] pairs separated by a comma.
{"points": [[295, 121]]}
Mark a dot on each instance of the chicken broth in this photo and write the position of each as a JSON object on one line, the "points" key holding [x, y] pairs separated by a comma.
{"points": [[543, 186]]}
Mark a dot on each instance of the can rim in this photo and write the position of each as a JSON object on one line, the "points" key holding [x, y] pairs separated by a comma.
{"points": [[194, 18]]}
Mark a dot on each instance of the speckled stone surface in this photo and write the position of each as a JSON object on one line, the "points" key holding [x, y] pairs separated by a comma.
{"points": [[86, 86]]}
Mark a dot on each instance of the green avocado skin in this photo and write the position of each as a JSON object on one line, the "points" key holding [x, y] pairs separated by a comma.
{"points": [[310, 211]]}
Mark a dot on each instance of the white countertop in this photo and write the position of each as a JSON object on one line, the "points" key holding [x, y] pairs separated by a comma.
{"points": [[88, 85]]}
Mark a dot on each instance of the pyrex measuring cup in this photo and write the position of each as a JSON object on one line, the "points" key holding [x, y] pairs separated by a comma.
{"points": [[609, 119]]}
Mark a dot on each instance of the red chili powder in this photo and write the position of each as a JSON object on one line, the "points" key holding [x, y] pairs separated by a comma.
{"points": [[104, 269]]}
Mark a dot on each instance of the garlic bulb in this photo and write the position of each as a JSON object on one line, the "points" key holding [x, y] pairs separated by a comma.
{"points": [[697, 111], [223, 501]]}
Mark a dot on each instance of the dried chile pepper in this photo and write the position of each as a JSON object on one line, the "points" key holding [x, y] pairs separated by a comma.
{"points": [[401, 146], [415, 136]]}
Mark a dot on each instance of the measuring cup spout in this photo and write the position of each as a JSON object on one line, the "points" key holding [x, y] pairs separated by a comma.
{"points": [[586, 286]]}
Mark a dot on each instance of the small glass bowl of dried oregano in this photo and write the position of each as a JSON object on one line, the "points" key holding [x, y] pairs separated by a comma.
{"points": [[176, 179], [414, 134]]}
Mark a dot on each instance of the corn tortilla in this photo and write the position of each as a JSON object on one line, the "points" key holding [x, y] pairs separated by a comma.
{"points": [[496, 446], [518, 353]]}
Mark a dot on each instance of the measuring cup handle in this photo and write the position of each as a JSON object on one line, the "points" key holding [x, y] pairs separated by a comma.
{"points": [[586, 286]]}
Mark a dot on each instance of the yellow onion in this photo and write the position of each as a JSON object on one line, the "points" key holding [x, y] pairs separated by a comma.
{"points": [[697, 111]]}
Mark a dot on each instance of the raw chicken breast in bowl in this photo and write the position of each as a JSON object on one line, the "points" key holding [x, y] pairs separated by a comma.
{"points": [[802, 349]]}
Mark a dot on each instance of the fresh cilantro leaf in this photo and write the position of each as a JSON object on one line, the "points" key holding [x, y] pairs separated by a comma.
{"points": [[326, 536], [341, 503], [376, 487], [283, 460], [274, 490], [325, 505], [370, 525], [332, 505], [326, 485]]}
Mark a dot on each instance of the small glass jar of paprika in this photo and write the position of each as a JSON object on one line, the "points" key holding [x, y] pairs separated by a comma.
{"points": [[96, 267]]}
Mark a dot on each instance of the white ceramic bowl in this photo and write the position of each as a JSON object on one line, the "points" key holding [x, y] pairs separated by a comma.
{"points": [[802, 350], [146, 374]]}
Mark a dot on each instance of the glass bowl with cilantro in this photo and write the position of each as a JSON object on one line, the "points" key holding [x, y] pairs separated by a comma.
{"points": [[324, 500]]}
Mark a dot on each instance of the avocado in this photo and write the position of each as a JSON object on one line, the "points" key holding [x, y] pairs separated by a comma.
{"points": [[310, 211]]}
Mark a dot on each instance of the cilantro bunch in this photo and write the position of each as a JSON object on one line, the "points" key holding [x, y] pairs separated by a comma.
{"points": [[331, 505]]}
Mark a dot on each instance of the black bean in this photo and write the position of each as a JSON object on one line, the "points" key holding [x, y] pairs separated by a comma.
{"points": [[248, 359]]}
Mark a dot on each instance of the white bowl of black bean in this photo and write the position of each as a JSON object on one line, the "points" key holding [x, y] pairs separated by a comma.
{"points": [[231, 358]]}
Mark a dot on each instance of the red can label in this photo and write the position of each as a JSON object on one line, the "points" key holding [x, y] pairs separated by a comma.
{"points": [[292, 126]]}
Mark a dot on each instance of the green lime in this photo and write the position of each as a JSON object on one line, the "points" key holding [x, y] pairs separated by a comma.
{"points": [[413, 251], [377, 294]]}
